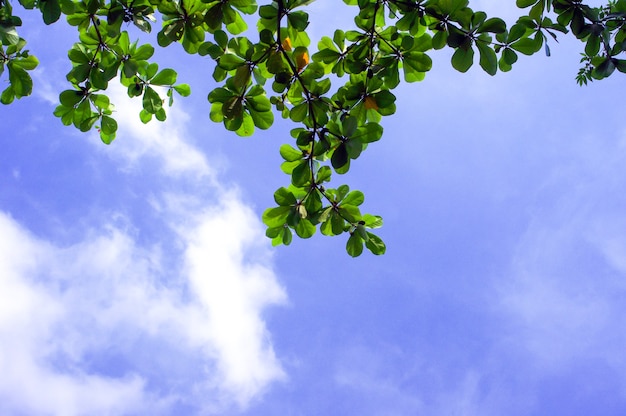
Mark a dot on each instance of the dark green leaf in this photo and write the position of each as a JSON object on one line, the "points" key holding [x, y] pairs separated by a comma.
{"points": [[69, 98], [488, 59], [527, 46], [301, 174], [493, 25], [525, 3], [108, 125], [462, 59], [339, 157], [51, 11]]}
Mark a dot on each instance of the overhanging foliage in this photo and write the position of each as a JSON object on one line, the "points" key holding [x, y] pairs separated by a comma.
{"points": [[278, 72]]}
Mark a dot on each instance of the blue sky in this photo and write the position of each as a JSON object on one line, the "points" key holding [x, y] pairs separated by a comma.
{"points": [[136, 279]]}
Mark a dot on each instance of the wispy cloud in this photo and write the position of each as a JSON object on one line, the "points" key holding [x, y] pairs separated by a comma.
{"points": [[564, 295], [114, 324]]}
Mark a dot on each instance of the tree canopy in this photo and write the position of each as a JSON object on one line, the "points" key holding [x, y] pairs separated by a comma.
{"points": [[337, 94]]}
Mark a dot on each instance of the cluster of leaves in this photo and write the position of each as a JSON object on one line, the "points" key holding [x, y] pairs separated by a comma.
{"points": [[278, 73], [104, 52]]}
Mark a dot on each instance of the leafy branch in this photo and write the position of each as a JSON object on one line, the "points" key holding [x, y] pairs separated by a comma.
{"points": [[278, 73]]}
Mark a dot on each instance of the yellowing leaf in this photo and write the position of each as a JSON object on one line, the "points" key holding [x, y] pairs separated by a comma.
{"points": [[287, 44], [301, 56], [370, 103]]}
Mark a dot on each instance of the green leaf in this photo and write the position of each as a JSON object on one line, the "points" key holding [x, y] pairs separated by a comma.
{"points": [[337, 223], [51, 11], [289, 153], [78, 56], [354, 245], [360, 230], [183, 89], [299, 112], [509, 56], [145, 116], [284, 197], [298, 20], [143, 52], [333, 224], [385, 99], [353, 198], [493, 25], [375, 244], [342, 191], [340, 156], [525, 3], [7, 96], [350, 212], [107, 138], [286, 236], [371, 132], [349, 126], [69, 98], [415, 65], [230, 61], [220, 95], [246, 127], [354, 148], [593, 46], [605, 69], [164, 77], [108, 125], [65, 113], [462, 59], [262, 119], [151, 100], [488, 59], [258, 103], [233, 108], [527, 46], [8, 35], [242, 77], [100, 100], [301, 174], [305, 229], [28, 62], [372, 221], [238, 25], [276, 217], [21, 82], [324, 174], [440, 39], [97, 79]]}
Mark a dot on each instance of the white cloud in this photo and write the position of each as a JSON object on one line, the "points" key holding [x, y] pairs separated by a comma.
{"points": [[221, 243], [32, 316], [91, 329], [170, 143], [114, 325]]}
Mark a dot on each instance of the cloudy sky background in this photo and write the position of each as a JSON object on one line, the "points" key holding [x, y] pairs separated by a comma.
{"points": [[136, 279]]}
